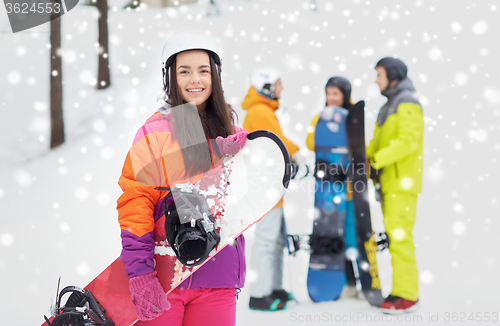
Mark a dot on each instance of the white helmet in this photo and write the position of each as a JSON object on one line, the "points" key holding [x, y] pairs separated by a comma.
{"points": [[183, 41], [264, 80]]}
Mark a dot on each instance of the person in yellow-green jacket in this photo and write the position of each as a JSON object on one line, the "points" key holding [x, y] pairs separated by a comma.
{"points": [[266, 260], [396, 155]]}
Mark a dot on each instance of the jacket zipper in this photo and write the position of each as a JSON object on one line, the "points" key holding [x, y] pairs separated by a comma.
{"points": [[239, 258]]}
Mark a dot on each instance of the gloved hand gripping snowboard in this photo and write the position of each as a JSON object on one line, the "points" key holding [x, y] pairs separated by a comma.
{"points": [[189, 225], [148, 297]]}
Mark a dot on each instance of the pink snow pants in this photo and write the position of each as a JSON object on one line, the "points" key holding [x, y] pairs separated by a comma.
{"points": [[193, 307]]}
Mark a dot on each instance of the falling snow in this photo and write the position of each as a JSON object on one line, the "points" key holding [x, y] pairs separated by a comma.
{"points": [[23, 178], [69, 57], [426, 277], [480, 27], [492, 95], [435, 54], [107, 153], [99, 125], [479, 135], [461, 78], [40, 106], [83, 269], [81, 193], [456, 27], [6, 239], [14, 78], [459, 228], [103, 198], [65, 227]]}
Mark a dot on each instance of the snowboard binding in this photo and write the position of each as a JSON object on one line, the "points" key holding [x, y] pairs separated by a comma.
{"points": [[326, 245], [326, 171], [315, 244], [81, 309], [382, 240], [189, 225], [294, 167], [297, 242]]}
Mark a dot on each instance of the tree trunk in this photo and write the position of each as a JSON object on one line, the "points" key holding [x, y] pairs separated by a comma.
{"points": [[56, 89], [103, 79]]}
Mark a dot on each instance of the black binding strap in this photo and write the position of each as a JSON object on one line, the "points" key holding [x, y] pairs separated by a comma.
{"points": [[81, 309]]}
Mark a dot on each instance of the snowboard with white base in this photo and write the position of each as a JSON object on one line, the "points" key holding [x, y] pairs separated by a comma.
{"points": [[239, 190]]}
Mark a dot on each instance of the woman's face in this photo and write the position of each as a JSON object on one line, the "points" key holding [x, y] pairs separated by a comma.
{"points": [[194, 77], [334, 96]]}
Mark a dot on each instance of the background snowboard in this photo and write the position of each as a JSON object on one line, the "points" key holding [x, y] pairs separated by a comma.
{"points": [[367, 246], [326, 275], [316, 264], [252, 182]]}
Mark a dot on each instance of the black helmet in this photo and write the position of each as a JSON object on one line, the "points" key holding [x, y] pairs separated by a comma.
{"points": [[394, 67], [345, 87], [189, 226]]}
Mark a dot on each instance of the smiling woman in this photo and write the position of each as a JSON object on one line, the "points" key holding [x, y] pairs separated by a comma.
{"points": [[181, 137]]}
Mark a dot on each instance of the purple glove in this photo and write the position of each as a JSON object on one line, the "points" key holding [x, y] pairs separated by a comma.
{"points": [[232, 144], [148, 297]]}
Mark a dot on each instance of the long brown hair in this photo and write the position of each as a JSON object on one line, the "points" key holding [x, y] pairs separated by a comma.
{"points": [[216, 120]]}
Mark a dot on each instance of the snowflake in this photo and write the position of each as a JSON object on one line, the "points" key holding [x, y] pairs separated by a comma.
{"points": [[480, 27], [81, 193], [14, 78], [6, 239], [435, 54]]}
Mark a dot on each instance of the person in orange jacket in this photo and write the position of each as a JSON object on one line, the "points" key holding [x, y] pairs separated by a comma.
{"points": [[260, 103]]}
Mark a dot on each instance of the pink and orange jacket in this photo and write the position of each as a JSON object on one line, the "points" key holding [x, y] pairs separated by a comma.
{"points": [[155, 160]]}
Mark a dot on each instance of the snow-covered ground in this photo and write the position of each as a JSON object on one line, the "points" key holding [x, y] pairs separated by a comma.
{"points": [[57, 208]]}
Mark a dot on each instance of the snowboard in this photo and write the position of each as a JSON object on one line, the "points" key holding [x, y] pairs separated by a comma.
{"points": [[316, 261], [326, 276], [239, 191], [368, 241]]}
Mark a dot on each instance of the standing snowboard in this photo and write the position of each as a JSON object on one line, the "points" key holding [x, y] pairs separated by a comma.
{"points": [[367, 242], [326, 275], [239, 192]]}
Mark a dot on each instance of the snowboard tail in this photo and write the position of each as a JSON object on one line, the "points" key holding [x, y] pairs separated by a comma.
{"points": [[322, 283]]}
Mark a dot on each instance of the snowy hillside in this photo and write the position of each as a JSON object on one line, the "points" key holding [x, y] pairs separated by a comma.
{"points": [[57, 208]]}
